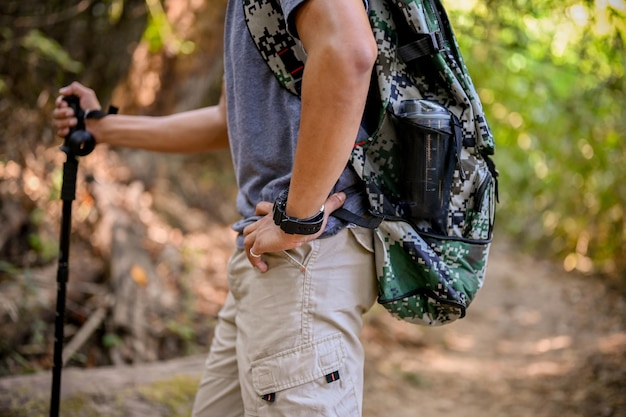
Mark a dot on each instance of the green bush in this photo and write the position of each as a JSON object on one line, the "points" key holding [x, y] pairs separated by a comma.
{"points": [[551, 76]]}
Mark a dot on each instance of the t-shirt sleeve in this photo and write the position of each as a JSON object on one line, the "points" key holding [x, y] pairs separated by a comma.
{"points": [[289, 8]]}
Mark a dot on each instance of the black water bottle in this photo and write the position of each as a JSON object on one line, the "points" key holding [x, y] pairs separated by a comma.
{"points": [[426, 133]]}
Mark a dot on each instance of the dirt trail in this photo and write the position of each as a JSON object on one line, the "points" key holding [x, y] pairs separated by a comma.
{"points": [[523, 350], [536, 342]]}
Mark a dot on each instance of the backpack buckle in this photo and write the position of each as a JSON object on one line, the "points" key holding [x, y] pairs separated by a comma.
{"points": [[436, 41]]}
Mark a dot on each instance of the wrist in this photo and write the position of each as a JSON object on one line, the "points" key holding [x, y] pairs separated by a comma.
{"points": [[293, 225], [93, 120]]}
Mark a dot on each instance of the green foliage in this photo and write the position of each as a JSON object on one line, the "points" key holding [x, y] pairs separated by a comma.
{"points": [[77, 405], [47, 48], [111, 340], [7, 269], [160, 35], [413, 378], [551, 76], [184, 329], [42, 244], [175, 394]]}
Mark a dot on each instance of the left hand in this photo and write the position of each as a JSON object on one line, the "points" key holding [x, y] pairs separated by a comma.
{"points": [[63, 116], [264, 236]]}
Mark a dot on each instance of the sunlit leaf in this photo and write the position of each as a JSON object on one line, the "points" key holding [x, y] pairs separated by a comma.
{"points": [[48, 48]]}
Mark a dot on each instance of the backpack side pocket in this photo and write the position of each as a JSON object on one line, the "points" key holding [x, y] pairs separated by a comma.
{"points": [[426, 136]]}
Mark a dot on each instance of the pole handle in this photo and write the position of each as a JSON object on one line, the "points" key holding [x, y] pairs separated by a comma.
{"points": [[78, 142]]}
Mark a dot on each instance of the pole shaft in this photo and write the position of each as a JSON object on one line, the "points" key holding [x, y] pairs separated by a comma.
{"points": [[68, 194]]}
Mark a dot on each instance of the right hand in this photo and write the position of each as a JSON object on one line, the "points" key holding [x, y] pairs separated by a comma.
{"points": [[63, 115], [264, 236]]}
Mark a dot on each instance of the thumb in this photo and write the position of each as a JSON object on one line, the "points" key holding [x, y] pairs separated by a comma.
{"points": [[87, 96], [334, 202], [75, 88], [263, 208]]}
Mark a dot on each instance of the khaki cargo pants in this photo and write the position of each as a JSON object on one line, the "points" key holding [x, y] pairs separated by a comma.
{"points": [[287, 341]]}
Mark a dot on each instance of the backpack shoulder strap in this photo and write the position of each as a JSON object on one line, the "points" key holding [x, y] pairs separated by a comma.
{"points": [[282, 52]]}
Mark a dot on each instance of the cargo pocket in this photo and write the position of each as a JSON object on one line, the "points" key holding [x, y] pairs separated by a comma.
{"points": [[309, 380]]}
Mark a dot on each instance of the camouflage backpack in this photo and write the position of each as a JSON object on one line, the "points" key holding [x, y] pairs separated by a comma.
{"points": [[430, 182]]}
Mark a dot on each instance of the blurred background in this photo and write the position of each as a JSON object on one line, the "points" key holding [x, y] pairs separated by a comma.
{"points": [[151, 232]]}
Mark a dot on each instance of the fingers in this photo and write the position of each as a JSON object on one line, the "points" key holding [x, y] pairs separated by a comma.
{"points": [[254, 256], [88, 99], [334, 202], [63, 115], [264, 236], [256, 260]]}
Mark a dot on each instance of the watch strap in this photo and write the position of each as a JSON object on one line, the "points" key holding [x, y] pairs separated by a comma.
{"points": [[99, 114], [293, 225]]}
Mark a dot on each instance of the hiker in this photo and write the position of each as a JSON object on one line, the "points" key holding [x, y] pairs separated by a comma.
{"points": [[287, 339]]}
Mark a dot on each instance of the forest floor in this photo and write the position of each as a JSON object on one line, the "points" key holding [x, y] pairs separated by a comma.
{"points": [[536, 342]]}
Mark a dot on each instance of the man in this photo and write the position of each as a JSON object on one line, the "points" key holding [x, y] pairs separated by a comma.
{"points": [[287, 340]]}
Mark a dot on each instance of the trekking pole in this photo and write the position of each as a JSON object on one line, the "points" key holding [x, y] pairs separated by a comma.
{"points": [[78, 142]]}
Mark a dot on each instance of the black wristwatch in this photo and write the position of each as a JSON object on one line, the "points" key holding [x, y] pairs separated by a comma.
{"points": [[293, 225]]}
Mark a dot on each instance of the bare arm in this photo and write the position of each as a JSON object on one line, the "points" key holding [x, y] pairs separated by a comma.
{"points": [[187, 132], [341, 52]]}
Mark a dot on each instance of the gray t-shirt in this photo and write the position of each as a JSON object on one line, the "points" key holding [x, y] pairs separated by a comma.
{"points": [[263, 122]]}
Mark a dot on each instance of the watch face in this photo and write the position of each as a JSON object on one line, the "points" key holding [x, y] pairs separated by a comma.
{"points": [[278, 213]]}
